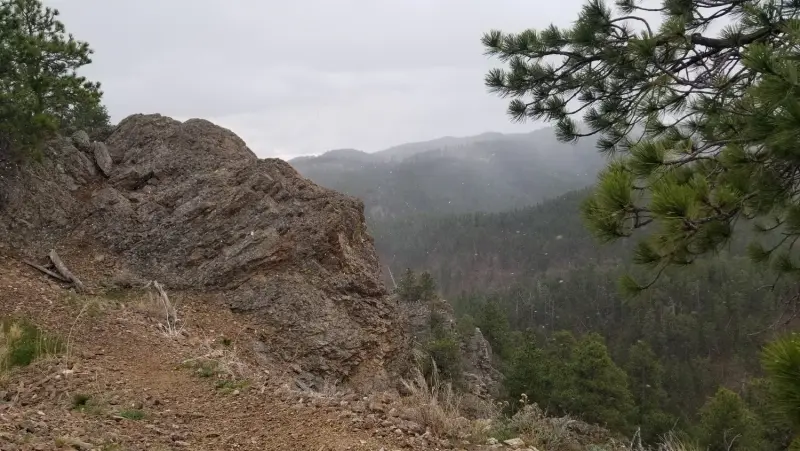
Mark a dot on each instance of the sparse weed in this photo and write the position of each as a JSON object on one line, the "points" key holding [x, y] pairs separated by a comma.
{"points": [[88, 405], [231, 373], [202, 367], [227, 381], [230, 386]]}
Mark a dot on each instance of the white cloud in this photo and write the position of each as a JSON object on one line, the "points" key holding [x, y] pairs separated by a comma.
{"points": [[302, 77]]}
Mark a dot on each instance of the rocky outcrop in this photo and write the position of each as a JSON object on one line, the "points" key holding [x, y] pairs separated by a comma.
{"points": [[481, 378], [189, 204], [481, 375]]}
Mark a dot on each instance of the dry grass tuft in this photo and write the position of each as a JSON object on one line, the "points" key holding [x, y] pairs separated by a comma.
{"points": [[672, 443], [435, 405], [170, 324], [226, 367], [21, 343]]}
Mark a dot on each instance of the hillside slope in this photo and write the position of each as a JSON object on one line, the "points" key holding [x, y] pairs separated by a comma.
{"points": [[490, 172], [123, 384], [493, 250], [108, 376], [537, 271]]}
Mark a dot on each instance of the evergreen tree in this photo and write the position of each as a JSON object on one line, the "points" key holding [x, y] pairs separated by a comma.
{"points": [[726, 424], [703, 130], [444, 348], [527, 373], [598, 387], [781, 360], [703, 127], [493, 323], [40, 90], [407, 287], [426, 286], [646, 381], [763, 400]]}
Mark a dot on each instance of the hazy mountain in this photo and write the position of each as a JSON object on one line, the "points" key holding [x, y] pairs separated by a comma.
{"points": [[489, 172]]}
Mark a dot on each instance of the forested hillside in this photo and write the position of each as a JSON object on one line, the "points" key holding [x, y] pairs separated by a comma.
{"points": [[492, 250], [535, 281], [490, 172]]}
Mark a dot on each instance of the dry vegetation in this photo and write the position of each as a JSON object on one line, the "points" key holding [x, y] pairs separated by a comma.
{"points": [[434, 404]]}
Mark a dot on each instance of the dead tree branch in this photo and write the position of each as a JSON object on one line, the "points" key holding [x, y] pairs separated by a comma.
{"points": [[66, 273], [41, 268]]}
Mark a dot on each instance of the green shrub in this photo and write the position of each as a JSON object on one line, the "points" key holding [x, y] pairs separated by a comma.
{"points": [[446, 352]]}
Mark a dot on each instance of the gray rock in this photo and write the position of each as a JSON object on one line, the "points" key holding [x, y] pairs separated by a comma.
{"points": [[515, 443], [86, 164], [482, 377], [102, 158], [81, 140], [190, 205]]}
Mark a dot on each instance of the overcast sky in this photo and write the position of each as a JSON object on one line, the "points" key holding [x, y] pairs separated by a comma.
{"points": [[303, 79]]}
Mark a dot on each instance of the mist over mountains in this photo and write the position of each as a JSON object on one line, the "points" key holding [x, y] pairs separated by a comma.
{"points": [[490, 172]]}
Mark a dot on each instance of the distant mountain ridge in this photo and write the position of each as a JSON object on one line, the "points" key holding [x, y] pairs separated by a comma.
{"points": [[488, 172]]}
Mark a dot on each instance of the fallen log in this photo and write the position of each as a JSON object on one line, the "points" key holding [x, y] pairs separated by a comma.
{"points": [[41, 268], [66, 273]]}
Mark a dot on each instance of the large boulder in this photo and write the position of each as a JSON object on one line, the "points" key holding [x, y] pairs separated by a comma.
{"points": [[189, 204]]}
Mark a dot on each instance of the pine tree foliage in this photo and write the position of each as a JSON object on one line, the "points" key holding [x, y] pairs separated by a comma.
{"points": [[781, 361], [726, 424], [40, 90], [701, 129]]}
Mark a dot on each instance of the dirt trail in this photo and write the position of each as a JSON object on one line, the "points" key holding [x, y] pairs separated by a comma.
{"points": [[124, 385]]}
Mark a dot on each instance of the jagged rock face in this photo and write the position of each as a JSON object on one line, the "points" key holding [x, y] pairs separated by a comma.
{"points": [[481, 377], [190, 205]]}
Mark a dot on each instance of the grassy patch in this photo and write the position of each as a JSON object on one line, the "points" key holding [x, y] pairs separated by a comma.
{"points": [[21, 343], [132, 414], [88, 405], [90, 305], [203, 368], [229, 386], [227, 382]]}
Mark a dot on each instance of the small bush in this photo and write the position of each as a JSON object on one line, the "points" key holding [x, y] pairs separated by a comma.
{"points": [[21, 343], [79, 401], [447, 355]]}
